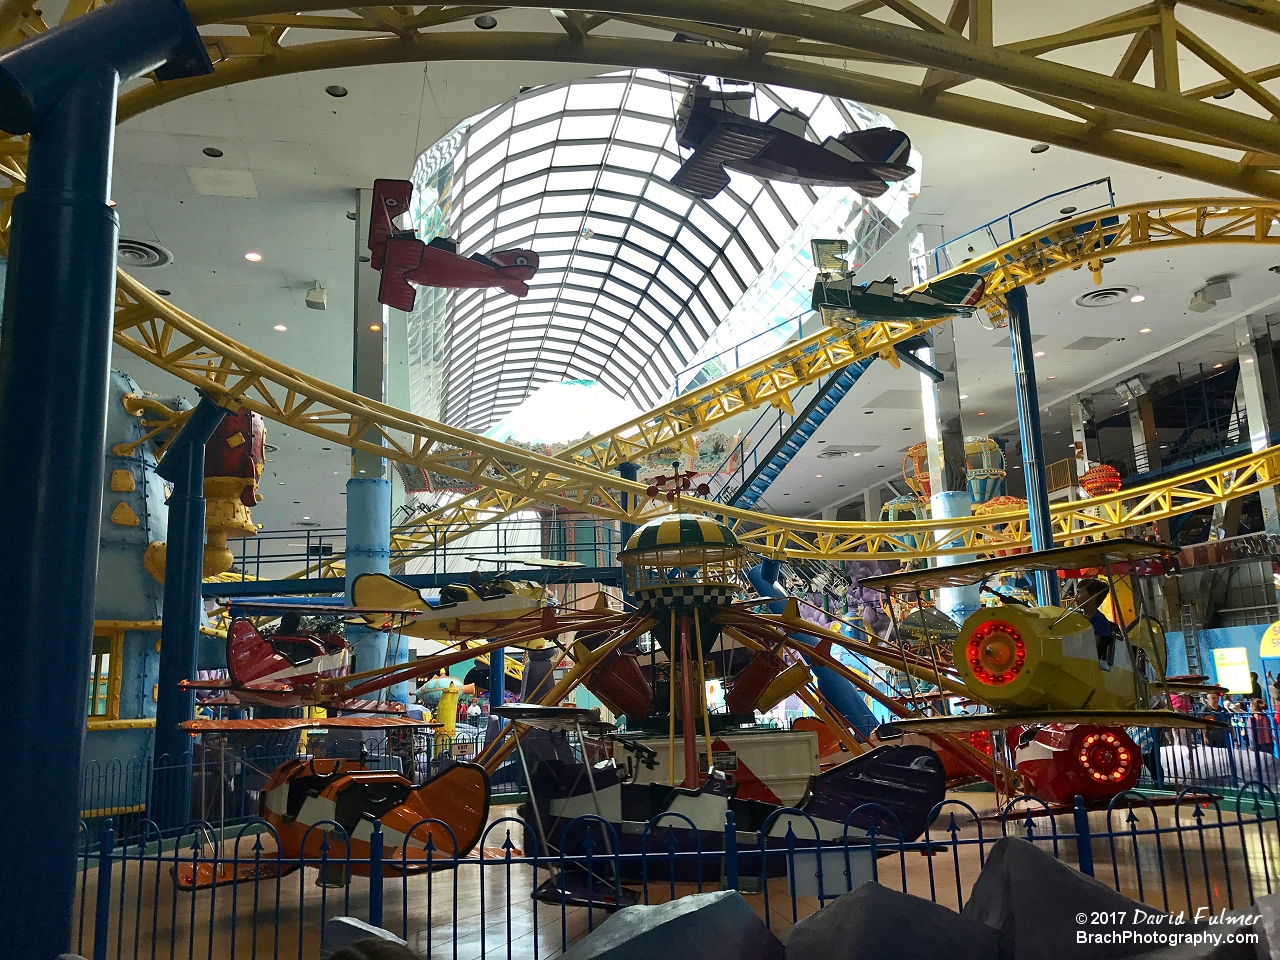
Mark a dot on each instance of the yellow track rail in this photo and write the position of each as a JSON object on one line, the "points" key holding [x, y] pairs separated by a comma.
{"points": [[1068, 245], [155, 330]]}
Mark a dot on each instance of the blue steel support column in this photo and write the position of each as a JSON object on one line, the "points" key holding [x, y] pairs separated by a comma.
{"points": [[182, 466], [369, 551], [1024, 373], [60, 86]]}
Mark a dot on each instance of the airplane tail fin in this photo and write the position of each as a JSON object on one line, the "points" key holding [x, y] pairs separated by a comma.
{"points": [[964, 288], [402, 254], [879, 145], [390, 200]]}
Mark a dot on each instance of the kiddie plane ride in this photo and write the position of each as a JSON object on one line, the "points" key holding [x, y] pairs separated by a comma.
{"points": [[1044, 673], [404, 260], [717, 126]]}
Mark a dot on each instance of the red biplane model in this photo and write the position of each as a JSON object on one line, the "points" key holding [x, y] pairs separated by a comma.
{"points": [[405, 260]]}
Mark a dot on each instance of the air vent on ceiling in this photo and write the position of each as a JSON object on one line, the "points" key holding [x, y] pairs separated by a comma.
{"points": [[306, 523], [832, 453], [141, 253], [1105, 296], [1089, 343]]}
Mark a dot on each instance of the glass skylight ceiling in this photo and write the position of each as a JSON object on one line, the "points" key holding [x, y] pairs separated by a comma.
{"points": [[635, 275]]}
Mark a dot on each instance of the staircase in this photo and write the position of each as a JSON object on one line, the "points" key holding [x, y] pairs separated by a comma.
{"points": [[824, 401]]}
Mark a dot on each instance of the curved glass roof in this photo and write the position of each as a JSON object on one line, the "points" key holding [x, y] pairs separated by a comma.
{"points": [[635, 275]]}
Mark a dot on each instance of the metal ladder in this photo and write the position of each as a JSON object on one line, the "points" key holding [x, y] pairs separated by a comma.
{"points": [[1191, 640]]}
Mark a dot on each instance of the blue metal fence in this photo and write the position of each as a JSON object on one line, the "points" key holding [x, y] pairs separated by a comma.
{"points": [[1196, 851]]}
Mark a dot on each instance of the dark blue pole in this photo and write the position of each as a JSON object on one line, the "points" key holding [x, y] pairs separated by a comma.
{"points": [[60, 87], [1024, 374], [183, 467]]}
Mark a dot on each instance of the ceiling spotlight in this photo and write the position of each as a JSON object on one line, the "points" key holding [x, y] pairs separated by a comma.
{"points": [[485, 22], [164, 293], [1051, 378], [334, 90], [316, 298], [279, 328], [1217, 366], [817, 476], [253, 256], [1039, 353], [1067, 211], [212, 152], [964, 396], [982, 413], [1145, 330], [1039, 147], [1137, 298], [1223, 96], [351, 214], [375, 327]]}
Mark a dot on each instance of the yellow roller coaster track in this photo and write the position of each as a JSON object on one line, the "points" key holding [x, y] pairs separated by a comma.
{"points": [[1066, 245], [1161, 126]]}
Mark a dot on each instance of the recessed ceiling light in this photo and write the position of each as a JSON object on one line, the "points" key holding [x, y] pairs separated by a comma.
{"points": [[1051, 378], [279, 328], [1248, 359], [964, 396], [1067, 210], [375, 327], [1137, 298], [212, 152], [1223, 96], [1039, 147], [253, 256], [1039, 353], [856, 455], [335, 90], [1145, 330], [982, 413], [1217, 366], [282, 483], [306, 518], [485, 22], [164, 293], [817, 476]]}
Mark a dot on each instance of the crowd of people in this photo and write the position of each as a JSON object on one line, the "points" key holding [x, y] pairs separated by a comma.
{"points": [[1253, 721]]}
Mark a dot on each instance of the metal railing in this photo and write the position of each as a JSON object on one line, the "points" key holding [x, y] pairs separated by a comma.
{"points": [[1198, 855]]}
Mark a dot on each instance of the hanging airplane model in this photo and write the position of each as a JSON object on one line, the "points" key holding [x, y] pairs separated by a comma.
{"points": [[404, 260], [462, 610], [843, 303], [717, 126]]}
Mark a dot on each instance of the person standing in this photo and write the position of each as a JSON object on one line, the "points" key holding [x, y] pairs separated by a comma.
{"points": [[1255, 688], [1273, 688], [1261, 734]]}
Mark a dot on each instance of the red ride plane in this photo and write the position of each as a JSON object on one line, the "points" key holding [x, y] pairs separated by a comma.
{"points": [[405, 260]]}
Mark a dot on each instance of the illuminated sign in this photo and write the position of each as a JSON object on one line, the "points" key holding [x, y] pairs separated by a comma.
{"points": [[1271, 641], [1232, 664]]}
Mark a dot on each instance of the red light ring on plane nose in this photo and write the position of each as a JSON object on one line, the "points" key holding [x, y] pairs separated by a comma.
{"points": [[995, 652], [1104, 757]]}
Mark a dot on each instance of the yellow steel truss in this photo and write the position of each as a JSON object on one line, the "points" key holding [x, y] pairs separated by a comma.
{"points": [[155, 330], [1063, 88], [1071, 244]]}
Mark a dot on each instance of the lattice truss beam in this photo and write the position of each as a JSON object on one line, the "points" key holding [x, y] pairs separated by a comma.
{"points": [[153, 329], [1110, 86], [1069, 245]]}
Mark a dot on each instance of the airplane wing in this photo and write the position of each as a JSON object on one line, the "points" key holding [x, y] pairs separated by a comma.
{"points": [[524, 561], [320, 723], [703, 173], [829, 255], [973, 722]]}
